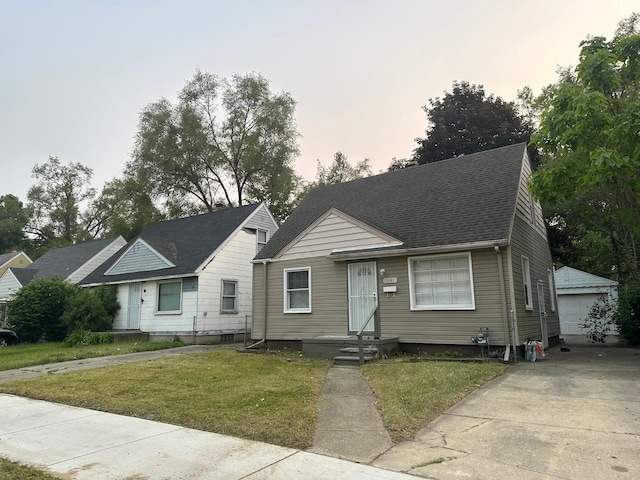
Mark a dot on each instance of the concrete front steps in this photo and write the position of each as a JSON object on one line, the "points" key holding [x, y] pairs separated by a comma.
{"points": [[344, 349], [351, 355]]}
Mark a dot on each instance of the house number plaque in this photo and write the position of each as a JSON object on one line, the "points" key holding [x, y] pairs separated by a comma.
{"points": [[390, 280]]}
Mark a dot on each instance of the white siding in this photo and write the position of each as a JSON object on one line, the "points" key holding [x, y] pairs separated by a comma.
{"points": [[8, 285], [233, 262], [97, 260], [155, 322], [333, 232]]}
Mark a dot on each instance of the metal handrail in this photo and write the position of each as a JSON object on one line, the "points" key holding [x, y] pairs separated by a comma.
{"points": [[359, 334]]}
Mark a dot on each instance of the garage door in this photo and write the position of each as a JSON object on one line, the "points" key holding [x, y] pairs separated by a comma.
{"points": [[573, 309]]}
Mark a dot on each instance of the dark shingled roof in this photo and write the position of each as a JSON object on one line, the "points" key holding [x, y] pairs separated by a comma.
{"points": [[5, 257], [24, 275], [462, 200], [61, 262], [186, 242]]}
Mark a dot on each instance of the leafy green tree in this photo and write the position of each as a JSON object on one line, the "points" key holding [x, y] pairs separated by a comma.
{"points": [[54, 201], [467, 121], [13, 220], [224, 142], [589, 135], [35, 313], [341, 170], [123, 207]]}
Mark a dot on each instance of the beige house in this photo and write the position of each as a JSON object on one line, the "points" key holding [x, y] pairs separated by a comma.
{"points": [[15, 260], [420, 260]]}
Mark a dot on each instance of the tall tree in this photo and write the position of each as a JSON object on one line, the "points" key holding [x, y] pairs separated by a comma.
{"points": [[589, 136], [218, 144], [123, 207], [54, 201], [13, 220], [341, 170], [468, 121]]}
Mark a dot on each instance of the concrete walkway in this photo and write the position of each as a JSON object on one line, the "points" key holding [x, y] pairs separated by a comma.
{"points": [[349, 425]]}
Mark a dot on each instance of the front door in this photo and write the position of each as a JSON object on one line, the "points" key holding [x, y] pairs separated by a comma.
{"points": [[135, 301], [363, 295], [543, 316]]}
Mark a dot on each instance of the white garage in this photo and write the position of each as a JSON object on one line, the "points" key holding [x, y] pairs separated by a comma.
{"points": [[577, 291]]}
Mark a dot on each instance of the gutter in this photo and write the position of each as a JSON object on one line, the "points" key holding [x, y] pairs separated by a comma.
{"points": [[338, 255]]}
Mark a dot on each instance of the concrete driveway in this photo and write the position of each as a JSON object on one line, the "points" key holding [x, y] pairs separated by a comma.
{"points": [[572, 415]]}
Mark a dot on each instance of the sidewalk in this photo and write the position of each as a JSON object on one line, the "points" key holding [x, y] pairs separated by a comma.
{"points": [[78, 444]]}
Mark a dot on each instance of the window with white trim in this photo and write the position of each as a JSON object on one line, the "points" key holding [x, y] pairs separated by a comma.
{"points": [[552, 290], [169, 297], [229, 300], [441, 282], [526, 283], [297, 290], [262, 236]]}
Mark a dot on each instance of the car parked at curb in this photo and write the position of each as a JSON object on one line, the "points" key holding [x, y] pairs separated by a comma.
{"points": [[7, 337]]}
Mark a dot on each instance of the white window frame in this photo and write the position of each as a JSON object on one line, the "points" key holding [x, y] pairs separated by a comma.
{"points": [[526, 282], [286, 290], [552, 290], [168, 312], [412, 293], [259, 244], [234, 296]]}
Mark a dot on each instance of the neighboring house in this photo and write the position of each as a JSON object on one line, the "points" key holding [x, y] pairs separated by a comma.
{"points": [[13, 259], [577, 292], [189, 278], [71, 263], [441, 250]]}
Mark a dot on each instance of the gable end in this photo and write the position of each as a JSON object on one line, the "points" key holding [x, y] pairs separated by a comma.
{"points": [[139, 257]]}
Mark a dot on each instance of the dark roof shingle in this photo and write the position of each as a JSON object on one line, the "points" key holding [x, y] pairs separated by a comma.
{"points": [[462, 200], [186, 242]]}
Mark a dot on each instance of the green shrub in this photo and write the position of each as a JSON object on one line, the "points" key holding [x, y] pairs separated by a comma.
{"points": [[85, 337], [599, 320], [627, 317], [91, 310], [36, 310]]}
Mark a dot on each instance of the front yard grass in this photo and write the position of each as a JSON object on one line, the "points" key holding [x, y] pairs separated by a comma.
{"points": [[29, 354], [269, 398], [410, 395], [14, 471]]}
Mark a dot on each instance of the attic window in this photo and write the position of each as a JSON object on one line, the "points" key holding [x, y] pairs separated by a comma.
{"points": [[526, 282], [262, 236]]}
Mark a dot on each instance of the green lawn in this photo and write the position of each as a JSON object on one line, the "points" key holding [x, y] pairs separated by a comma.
{"points": [[410, 395], [15, 471], [29, 354], [264, 397], [270, 398]]}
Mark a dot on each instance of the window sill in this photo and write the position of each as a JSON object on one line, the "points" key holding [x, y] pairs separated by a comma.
{"points": [[297, 311], [169, 312]]}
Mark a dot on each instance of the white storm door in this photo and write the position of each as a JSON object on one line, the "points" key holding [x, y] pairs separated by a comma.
{"points": [[363, 295], [135, 301], [543, 316]]}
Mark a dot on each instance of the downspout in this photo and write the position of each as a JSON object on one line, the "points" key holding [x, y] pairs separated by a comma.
{"points": [[503, 296], [264, 332]]}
